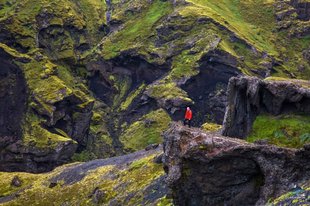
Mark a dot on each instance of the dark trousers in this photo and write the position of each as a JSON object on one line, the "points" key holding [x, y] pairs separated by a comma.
{"points": [[187, 122]]}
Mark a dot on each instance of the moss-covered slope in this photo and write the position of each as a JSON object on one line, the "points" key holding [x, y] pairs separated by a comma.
{"points": [[107, 76], [127, 180]]}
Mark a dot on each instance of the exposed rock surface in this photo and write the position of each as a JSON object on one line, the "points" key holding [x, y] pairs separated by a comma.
{"points": [[93, 70], [13, 95], [126, 180], [208, 169], [249, 96], [293, 16], [17, 151]]}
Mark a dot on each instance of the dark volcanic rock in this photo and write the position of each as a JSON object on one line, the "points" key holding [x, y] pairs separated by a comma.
{"points": [[16, 181], [207, 169], [302, 9], [207, 89], [13, 100], [21, 157], [249, 96], [15, 154]]}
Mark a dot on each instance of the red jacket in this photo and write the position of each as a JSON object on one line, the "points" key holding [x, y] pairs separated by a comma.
{"points": [[188, 114]]}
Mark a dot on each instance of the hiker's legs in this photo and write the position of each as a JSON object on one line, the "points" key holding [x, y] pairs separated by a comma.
{"points": [[189, 123], [186, 122]]}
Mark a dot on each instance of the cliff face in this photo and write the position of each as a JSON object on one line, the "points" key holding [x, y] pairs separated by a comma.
{"points": [[208, 169], [248, 97], [103, 78]]}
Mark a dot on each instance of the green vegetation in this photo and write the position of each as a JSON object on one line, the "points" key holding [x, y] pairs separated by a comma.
{"points": [[136, 31], [131, 97], [284, 130], [167, 91], [296, 197], [211, 127], [125, 185], [146, 131], [250, 20], [35, 136]]}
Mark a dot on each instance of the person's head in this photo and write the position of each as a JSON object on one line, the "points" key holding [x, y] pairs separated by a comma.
{"points": [[187, 108]]}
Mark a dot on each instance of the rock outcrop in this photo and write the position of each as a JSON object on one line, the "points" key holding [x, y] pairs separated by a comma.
{"points": [[41, 126], [250, 96], [293, 16], [130, 180], [208, 169]]}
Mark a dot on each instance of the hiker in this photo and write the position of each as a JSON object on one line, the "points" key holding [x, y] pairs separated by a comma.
{"points": [[188, 117]]}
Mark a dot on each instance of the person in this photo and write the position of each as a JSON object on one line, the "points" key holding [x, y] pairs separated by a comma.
{"points": [[188, 117]]}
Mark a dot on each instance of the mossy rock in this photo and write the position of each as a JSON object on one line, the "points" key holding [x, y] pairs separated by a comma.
{"points": [[283, 130], [146, 131], [133, 182], [211, 127]]}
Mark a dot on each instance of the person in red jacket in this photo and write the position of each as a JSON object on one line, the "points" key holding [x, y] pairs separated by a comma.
{"points": [[188, 117]]}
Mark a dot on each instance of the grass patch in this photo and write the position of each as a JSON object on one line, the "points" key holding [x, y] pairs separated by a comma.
{"points": [[131, 97], [136, 31], [125, 186], [211, 127], [167, 91], [284, 130], [146, 131]]}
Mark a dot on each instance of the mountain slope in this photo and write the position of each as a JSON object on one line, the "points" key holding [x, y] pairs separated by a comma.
{"points": [[98, 74]]}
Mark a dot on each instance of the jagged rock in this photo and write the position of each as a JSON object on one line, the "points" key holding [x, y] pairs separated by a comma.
{"points": [[18, 154], [97, 196], [303, 9], [208, 169], [16, 181], [13, 99], [250, 96], [151, 147], [293, 16], [158, 159], [21, 157]]}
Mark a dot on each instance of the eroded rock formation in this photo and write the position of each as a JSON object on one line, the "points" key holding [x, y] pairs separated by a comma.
{"points": [[61, 109], [208, 169], [249, 96]]}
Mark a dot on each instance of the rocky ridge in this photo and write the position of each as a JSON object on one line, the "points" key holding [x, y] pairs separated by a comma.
{"points": [[250, 96], [133, 179], [209, 169]]}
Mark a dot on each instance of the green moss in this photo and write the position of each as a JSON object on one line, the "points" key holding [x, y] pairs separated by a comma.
{"points": [[136, 31], [211, 127], [34, 135], [5, 182], [131, 97], [139, 175], [284, 130], [300, 82], [295, 197], [243, 18], [122, 85], [13, 52], [146, 131], [84, 156], [165, 202], [167, 91], [125, 185]]}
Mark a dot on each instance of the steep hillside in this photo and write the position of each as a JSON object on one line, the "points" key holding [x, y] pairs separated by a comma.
{"points": [[133, 179], [97, 78]]}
